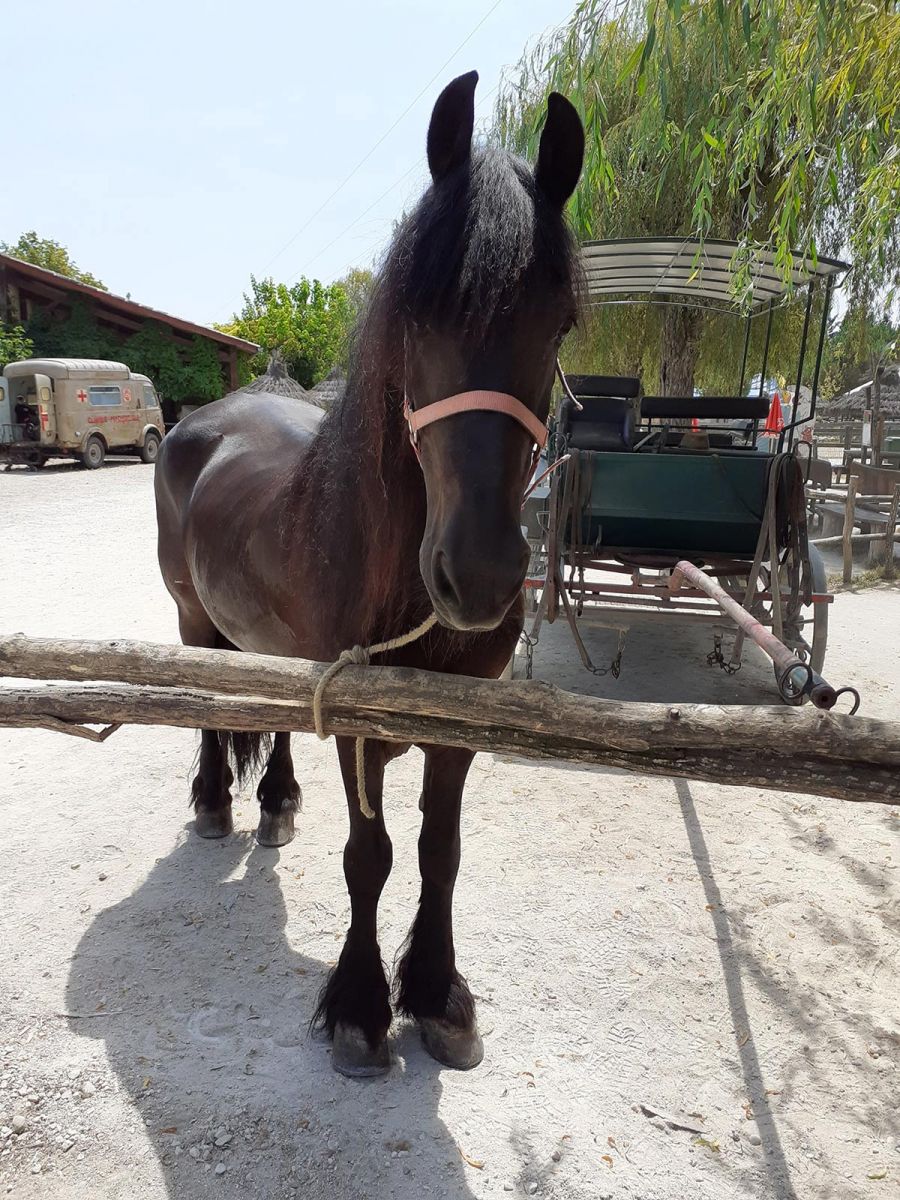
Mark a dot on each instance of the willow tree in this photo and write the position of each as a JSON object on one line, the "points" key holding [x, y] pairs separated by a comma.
{"points": [[769, 122]]}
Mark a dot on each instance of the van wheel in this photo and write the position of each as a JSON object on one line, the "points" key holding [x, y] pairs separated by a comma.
{"points": [[150, 448], [94, 453]]}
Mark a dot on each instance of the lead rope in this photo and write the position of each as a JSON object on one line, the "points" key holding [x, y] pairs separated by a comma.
{"points": [[360, 656]]}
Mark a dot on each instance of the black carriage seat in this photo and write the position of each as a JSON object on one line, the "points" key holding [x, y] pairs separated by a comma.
{"points": [[708, 408], [608, 413]]}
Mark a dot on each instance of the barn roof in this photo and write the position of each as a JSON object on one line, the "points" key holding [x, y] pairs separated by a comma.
{"points": [[120, 304]]}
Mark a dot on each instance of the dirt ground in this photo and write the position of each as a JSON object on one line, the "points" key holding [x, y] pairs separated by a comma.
{"points": [[727, 958]]}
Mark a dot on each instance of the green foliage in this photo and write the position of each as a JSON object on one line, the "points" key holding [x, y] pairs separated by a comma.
{"points": [[203, 371], [357, 284], [14, 344], [44, 252], [151, 351], [772, 122], [181, 374], [863, 343], [309, 322]]}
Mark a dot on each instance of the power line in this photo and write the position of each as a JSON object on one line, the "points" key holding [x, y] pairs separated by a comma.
{"points": [[387, 191], [387, 132], [357, 220]]}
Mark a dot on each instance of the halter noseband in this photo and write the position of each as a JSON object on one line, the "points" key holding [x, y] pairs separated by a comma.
{"points": [[478, 401]]}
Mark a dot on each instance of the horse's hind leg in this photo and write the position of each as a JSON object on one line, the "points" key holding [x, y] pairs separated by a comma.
{"points": [[210, 794], [279, 796]]}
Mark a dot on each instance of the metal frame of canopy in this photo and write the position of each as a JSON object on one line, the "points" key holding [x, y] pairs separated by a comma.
{"points": [[688, 272]]}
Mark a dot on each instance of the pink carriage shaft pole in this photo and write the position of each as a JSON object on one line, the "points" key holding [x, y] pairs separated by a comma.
{"points": [[783, 658]]}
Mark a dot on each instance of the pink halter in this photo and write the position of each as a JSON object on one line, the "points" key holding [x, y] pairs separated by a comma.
{"points": [[482, 401], [500, 402]]}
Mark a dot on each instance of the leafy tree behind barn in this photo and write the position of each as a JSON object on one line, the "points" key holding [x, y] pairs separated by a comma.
{"points": [[308, 322], [44, 252]]}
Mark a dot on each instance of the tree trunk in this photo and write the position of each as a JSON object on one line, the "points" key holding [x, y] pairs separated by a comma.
{"points": [[678, 351]]}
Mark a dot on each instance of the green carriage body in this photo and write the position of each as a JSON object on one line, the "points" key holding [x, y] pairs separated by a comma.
{"points": [[683, 504]]}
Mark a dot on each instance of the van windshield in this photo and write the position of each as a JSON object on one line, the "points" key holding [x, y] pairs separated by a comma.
{"points": [[150, 400]]}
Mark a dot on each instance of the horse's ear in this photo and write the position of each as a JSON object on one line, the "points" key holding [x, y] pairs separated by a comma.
{"points": [[561, 151], [452, 123]]}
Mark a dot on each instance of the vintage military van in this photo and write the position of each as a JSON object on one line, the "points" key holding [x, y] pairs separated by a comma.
{"points": [[77, 408]]}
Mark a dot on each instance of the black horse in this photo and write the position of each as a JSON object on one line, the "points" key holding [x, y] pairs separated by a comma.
{"points": [[284, 533]]}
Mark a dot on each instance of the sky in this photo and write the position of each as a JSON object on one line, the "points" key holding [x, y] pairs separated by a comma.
{"points": [[176, 148]]}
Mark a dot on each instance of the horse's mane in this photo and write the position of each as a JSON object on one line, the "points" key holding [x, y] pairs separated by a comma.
{"points": [[458, 260]]}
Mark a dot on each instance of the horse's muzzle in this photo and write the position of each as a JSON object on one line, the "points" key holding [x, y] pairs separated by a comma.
{"points": [[474, 593]]}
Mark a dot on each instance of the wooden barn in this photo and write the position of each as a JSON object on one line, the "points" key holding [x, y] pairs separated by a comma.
{"points": [[30, 294]]}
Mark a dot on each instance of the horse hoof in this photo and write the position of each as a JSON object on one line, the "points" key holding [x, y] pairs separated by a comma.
{"points": [[275, 829], [353, 1056], [461, 1049], [213, 822]]}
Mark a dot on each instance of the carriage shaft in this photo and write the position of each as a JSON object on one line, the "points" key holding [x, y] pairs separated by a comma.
{"points": [[790, 668]]}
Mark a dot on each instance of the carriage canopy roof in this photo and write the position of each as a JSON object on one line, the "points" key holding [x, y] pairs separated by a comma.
{"points": [[685, 267]]}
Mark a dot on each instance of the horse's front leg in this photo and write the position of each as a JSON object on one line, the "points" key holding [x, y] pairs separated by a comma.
{"points": [[431, 990], [355, 1004]]}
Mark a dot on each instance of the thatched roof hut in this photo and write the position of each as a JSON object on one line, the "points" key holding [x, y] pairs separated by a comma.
{"points": [[277, 380], [852, 404], [329, 390]]}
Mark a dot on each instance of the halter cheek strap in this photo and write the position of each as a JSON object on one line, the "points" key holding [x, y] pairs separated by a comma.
{"points": [[500, 402]]}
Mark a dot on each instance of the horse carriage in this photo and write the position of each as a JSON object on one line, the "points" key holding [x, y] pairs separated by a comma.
{"points": [[670, 507]]}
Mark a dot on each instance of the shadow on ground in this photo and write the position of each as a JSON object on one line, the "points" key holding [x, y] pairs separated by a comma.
{"points": [[208, 1003]]}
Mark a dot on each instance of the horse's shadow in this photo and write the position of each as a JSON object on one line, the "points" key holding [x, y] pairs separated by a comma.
{"points": [[207, 1004]]}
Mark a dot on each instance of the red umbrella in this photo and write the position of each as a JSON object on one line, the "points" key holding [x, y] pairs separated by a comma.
{"points": [[775, 420]]}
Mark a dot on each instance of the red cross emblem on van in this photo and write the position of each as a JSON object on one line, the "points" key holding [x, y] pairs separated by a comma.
{"points": [[82, 395]]}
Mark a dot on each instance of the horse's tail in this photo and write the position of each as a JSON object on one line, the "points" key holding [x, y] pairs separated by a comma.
{"points": [[247, 752]]}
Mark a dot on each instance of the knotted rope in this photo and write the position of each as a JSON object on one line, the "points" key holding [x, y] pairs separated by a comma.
{"points": [[360, 656]]}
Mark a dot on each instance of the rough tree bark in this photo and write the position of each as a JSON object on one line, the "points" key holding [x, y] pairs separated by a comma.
{"points": [[818, 753]]}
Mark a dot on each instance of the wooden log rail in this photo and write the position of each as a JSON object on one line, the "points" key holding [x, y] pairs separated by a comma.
{"points": [[788, 749]]}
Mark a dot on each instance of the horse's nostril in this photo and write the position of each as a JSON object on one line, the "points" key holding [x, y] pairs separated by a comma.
{"points": [[442, 583]]}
